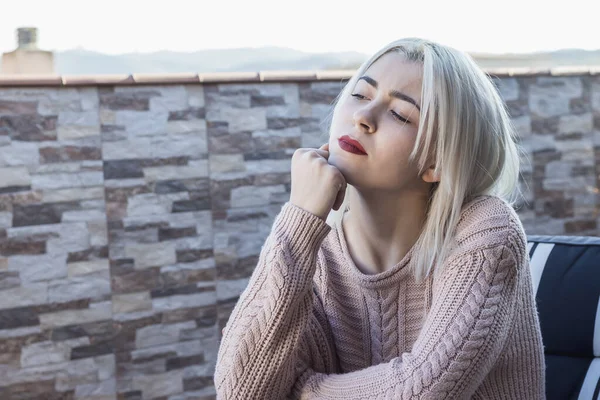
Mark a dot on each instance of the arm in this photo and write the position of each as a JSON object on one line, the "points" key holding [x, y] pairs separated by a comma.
{"points": [[464, 333], [276, 327]]}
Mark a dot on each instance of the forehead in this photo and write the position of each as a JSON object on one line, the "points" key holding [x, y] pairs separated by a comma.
{"points": [[393, 72]]}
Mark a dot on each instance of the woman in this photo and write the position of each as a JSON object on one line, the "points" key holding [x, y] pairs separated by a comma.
{"points": [[419, 286]]}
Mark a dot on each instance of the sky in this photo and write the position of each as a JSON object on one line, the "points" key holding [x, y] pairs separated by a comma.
{"points": [[124, 26]]}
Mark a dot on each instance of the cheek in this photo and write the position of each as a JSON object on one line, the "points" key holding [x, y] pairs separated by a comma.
{"points": [[394, 151]]}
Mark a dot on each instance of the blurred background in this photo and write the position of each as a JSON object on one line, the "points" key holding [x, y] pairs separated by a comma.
{"points": [[209, 36], [145, 151]]}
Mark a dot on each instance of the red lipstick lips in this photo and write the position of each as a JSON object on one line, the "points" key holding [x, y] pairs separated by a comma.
{"points": [[351, 145]]}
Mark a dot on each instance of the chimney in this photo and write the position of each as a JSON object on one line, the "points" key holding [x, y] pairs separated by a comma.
{"points": [[27, 38], [27, 58]]}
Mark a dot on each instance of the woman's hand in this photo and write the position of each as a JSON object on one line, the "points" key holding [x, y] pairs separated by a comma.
{"points": [[317, 186]]}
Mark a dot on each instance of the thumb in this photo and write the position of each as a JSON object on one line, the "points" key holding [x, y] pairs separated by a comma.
{"points": [[324, 147]]}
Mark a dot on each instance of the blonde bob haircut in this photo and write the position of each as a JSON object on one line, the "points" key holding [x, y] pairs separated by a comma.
{"points": [[465, 131]]}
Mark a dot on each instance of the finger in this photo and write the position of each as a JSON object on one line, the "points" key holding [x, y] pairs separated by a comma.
{"points": [[339, 199], [322, 153], [324, 147]]}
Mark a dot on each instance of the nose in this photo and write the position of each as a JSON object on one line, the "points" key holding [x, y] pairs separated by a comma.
{"points": [[365, 120]]}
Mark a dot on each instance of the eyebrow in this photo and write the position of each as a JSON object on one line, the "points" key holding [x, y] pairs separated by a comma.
{"points": [[394, 93]]}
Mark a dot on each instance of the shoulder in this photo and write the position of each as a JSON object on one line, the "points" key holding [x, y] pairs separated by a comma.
{"points": [[487, 222]]}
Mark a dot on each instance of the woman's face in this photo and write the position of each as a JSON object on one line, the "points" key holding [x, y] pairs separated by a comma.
{"points": [[382, 114]]}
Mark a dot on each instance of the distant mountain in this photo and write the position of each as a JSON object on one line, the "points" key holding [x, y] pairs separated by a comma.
{"points": [[80, 62], [559, 58], [226, 60]]}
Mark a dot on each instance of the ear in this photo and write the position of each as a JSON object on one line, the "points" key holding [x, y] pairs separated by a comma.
{"points": [[429, 176]]}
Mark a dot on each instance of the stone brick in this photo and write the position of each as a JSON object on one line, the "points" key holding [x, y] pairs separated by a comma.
{"points": [[518, 108], [151, 255], [121, 194], [218, 101], [190, 255], [182, 362], [8, 107], [170, 98], [217, 128], [283, 123], [545, 125], [162, 146], [175, 233], [94, 285], [191, 205], [87, 267], [18, 317], [92, 253], [248, 196], [143, 123], [194, 169], [249, 120], [12, 247], [24, 296], [265, 101], [204, 317], [187, 114], [197, 383], [14, 177], [136, 101], [237, 268], [582, 227], [580, 106], [92, 350], [19, 154], [231, 144], [42, 389], [231, 288], [156, 335], [96, 312], [96, 331], [184, 301], [9, 279], [276, 146], [171, 291], [224, 163], [135, 281], [76, 125], [29, 128], [65, 180], [154, 386], [34, 268], [105, 390], [319, 92], [126, 303], [44, 353], [576, 123], [508, 88], [69, 153]]}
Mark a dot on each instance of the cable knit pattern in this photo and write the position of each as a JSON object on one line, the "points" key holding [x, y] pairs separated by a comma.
{"points": [[310, 325]]}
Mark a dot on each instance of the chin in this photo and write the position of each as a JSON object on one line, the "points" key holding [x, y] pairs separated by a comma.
{"points": [[350, 170]]}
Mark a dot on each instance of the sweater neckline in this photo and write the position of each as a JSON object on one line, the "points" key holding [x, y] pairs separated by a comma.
{"points": [[377, 279]]}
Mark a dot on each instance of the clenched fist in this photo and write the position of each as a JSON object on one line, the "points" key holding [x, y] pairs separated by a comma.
{"points": [[317, 186]]}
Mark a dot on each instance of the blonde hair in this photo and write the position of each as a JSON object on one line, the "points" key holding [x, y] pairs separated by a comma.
{"points": [[465, 131]]}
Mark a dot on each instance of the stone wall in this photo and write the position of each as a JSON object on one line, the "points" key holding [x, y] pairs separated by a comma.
{"points": [[131, 217]]}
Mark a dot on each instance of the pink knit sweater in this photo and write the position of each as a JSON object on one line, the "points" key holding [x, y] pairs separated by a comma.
{"points": [[310, 325]]}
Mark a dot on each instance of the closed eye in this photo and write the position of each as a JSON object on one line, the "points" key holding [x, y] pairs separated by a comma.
{"points": [[399, 117], [358, 96]]}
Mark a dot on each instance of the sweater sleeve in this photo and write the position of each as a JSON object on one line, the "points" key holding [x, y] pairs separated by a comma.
{"points": [[471, 314], [275, 331]]}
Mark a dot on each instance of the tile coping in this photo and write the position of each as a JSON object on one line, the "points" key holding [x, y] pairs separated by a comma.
{"points": [[245, 77]]}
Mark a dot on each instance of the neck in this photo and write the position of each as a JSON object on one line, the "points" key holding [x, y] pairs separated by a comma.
{"points": [[381, 228]]}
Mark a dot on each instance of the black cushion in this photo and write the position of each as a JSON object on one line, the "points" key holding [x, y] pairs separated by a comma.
{"points": [[566, 277]]}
